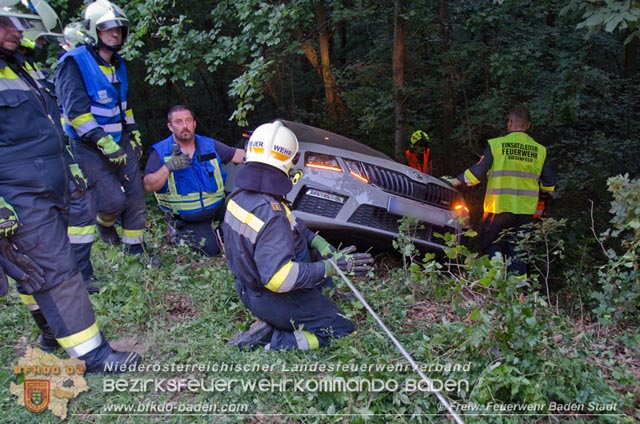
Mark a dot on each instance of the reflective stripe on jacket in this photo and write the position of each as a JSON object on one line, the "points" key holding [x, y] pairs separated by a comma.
{"points": [[513, 179], [197, 188], [107, 87], [266, 246], [413, 162]]}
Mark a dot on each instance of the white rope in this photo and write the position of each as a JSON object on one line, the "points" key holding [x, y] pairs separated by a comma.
{"points": [[404, 352]]}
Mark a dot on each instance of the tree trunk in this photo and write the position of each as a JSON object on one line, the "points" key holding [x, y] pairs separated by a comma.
{"points": [[448, 100], [398, 82], [335, 105]]}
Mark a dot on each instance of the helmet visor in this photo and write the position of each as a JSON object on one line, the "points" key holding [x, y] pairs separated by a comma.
{"points": [[21, 23], [103, 26]]}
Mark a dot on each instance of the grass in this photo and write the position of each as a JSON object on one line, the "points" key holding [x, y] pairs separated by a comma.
{"points": [[184, 312]]}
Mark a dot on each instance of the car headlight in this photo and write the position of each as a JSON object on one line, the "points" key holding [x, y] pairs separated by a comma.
{"points": [[355, 169], [322, 161], [330, 163]]}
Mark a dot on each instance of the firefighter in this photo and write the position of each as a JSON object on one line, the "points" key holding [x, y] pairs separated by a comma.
{"points": [[74, 35], [33, 206], [419, 151], [517, 169], [91, 84], [184, 170], [82, 212], [268, 250]]}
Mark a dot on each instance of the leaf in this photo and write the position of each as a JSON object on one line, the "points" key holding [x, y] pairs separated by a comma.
{"points": [[475, 314], [613, 23]]}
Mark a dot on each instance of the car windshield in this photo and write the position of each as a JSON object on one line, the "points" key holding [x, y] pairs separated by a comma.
{"points": [[308, 134]]}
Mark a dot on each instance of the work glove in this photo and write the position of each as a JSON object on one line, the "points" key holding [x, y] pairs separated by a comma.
{"points": [[135, 139], [112, 151], [9, 221], [178, 159], [352, 264], [21, 268], [79, 181], [322, 246], [449, 180]]}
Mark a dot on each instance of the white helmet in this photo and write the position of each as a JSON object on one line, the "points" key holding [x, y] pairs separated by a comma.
{"points": [[52, 30], [74, 35], [21, 15], [102, 15], [273, 144]]}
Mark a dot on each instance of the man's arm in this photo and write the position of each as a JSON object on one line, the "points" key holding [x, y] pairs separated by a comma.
{"points": [[547, 177], [73, 98], [275, 259], [475, 173], [238, 156], [229, 154], [156, 173]]}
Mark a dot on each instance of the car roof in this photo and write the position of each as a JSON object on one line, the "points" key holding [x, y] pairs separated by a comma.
{"points": [[309, 134]]}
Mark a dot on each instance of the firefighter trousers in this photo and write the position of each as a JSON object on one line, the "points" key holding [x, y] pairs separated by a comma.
{"points": [[117, 190], [82, 230], [302, 319]]}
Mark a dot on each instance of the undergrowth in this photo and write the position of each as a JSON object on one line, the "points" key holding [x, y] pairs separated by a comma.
{"points": [[494, 351]]}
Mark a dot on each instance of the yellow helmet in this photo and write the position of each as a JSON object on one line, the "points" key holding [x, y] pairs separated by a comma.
{"points": [[417, 136], [273, 144]]}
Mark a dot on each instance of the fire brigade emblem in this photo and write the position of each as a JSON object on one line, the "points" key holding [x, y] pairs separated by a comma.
{"points": [[36, 395]]}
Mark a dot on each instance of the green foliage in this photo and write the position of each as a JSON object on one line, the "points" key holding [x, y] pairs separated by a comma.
{"points": [[522, 351], [608, 16], [618, 291]]}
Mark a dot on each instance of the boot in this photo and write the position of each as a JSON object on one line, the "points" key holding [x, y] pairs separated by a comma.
{"points": [[259, 334], [93, 284], [109, 234], [46, 340], [140, 249], [105, 360]]}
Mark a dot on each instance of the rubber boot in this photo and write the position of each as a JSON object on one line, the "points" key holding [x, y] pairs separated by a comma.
{"points": [[259, 334], [140, 249], [46, 340], [105, 360], [92, 284], [109, 234]]}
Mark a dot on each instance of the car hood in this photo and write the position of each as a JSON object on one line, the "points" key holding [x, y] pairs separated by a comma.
{"points": [[323, 141]]}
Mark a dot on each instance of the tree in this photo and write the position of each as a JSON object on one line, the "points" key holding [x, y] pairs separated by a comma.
{"points": [[398, 81]]}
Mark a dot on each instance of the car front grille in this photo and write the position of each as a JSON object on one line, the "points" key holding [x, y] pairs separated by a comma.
{"points": [[374, 217], [401, 185], [316, 205]]}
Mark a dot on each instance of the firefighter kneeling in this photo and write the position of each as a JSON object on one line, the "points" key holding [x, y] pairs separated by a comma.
{"points": [[270, 253]]}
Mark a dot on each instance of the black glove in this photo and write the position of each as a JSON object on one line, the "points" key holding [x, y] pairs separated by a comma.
{"points": [[135, 139], [112, 151], [21, 268], [352, 264], [79, 186], [9, 221], [178, 159]]}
